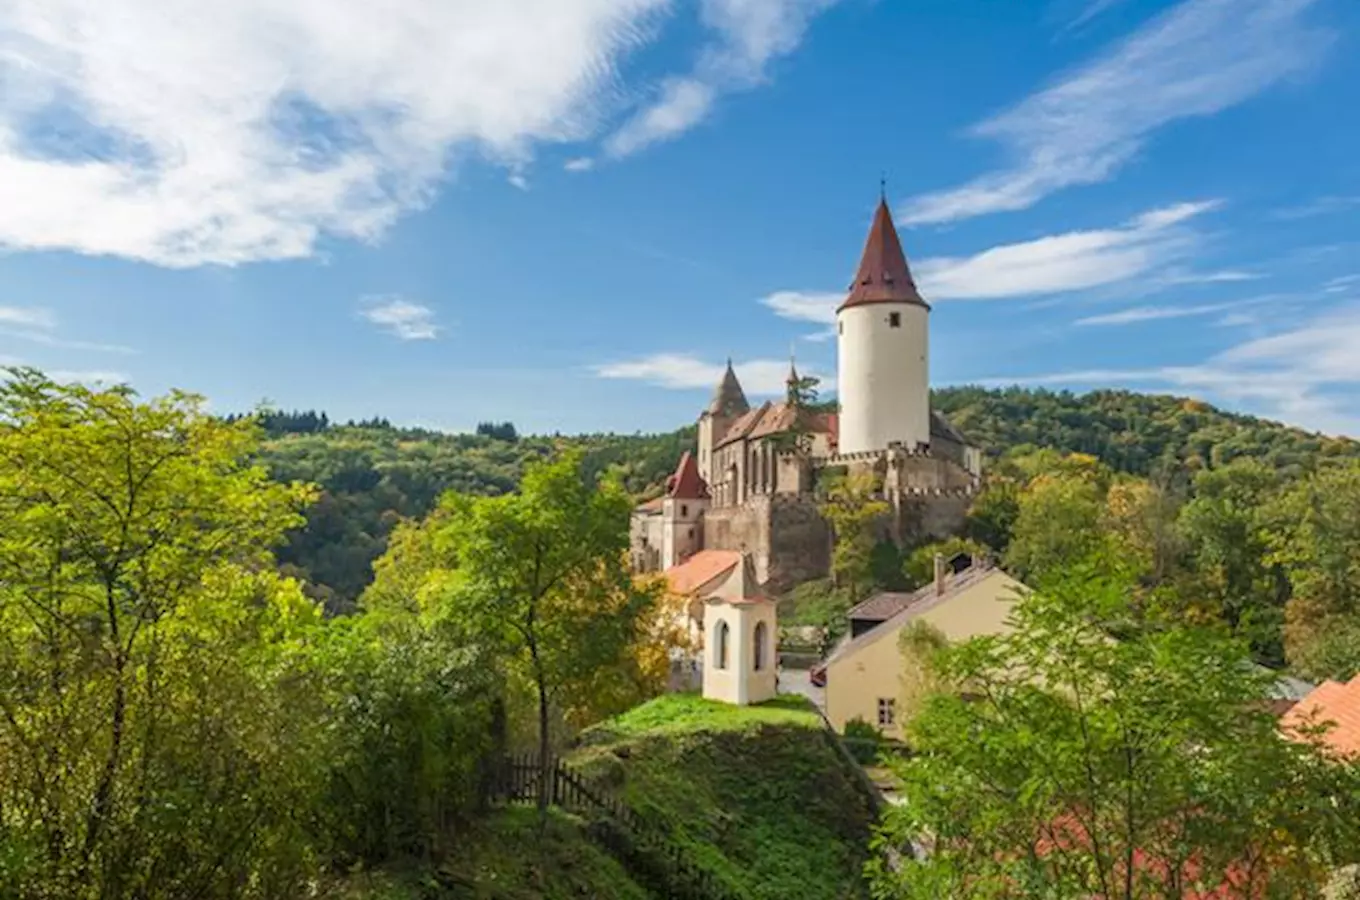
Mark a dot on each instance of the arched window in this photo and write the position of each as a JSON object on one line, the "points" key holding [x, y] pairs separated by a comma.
{"points": [[720, 636], [760, 641]]}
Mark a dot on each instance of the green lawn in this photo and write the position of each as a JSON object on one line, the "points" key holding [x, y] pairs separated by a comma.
{"points": [[680, 713]]}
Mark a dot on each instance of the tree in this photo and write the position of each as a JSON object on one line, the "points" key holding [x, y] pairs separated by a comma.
{"points": [[919, 568], [1058, 526], [1066, 764], [543, 575], [801, 396], [853, 508], [142, 740], [1315, 537]]}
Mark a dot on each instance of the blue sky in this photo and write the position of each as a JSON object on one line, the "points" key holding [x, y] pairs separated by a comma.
{"points": [[567, 213]]}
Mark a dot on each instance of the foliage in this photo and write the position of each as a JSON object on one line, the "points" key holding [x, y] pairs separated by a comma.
{"points": [[821, 604], [919, 568], [147, 745], [757, 795], [853, 507], [1058, 527], [862, 740], [1074, 765], [374, 476], [801, 395], [1315, 538], [498, 431], [921, 644], [540, 578]]}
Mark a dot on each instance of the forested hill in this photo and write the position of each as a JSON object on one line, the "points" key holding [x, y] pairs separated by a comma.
{"points": [[373, 474], [1141, 434]]}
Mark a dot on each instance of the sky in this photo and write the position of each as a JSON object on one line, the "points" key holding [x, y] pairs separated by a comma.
{"points": [[568, 213]]}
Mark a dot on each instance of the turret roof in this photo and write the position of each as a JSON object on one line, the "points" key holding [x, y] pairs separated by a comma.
{"points": [[883, 275], [687, 483], [729, 399]]}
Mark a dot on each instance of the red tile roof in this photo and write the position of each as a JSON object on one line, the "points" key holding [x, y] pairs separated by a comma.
{"points": [[883, 275], [687, 483], [775, 418], [1335, 702], [701, 568]]}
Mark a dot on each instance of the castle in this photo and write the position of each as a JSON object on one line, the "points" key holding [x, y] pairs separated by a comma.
{"points": [[751, 486]]}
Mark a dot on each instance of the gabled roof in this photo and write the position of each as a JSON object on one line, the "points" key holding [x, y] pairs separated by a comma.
{"points": [[1335, 702], [687, 483], [914, 605], [775, 418], [728, 399], [883, 275], [700, 569]]}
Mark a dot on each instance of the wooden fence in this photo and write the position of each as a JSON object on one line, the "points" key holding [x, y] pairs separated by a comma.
{"points": [[646, 850]]}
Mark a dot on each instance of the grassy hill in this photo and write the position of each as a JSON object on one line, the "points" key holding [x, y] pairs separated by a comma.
{"points": [[756, 795]]}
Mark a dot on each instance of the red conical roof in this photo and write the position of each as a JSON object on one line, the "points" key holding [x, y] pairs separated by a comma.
{"points": [[687, 483], [883, 275]]}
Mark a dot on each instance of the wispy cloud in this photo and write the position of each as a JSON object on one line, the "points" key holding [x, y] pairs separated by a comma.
{"points": [[247, 130], [1307, 375], [683, 371], [1322, 206], [748, 35], [1342, 284], [27, 316], [399, 316], [1201, 57], [579, 164], [1152, 313], [1054, 264], [37, 325]]}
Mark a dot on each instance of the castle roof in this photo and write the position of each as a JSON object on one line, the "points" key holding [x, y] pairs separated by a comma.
{"points": [[883, 275], [687, 483], [776, 418], [729, 399]]}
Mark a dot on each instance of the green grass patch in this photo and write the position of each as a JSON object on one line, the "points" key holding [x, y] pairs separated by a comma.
{"points": [[757, 795], [689, 712], [505, 858]]}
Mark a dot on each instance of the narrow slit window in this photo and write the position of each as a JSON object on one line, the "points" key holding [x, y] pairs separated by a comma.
{"points": [[894, 320]]}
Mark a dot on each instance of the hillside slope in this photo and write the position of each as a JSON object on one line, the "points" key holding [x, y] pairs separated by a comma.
{"points": [[373, 474], [758, 796]]}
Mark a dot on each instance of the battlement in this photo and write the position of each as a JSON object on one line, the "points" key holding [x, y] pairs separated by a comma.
{"points": [[968, 491]]}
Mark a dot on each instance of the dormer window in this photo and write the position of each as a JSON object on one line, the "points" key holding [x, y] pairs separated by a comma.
{"points": [[895, 320]]}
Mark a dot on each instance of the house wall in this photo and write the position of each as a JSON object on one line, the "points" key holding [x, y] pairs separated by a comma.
{"points": [[739, 682], [857, 680], [682, 531]]}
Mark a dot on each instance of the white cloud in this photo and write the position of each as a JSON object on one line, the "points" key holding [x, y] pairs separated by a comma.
{"points": [[818, 307], [50, 340], [1151, 313], [1307, 376], [1064, 262], [243, 130], [1199, 58], [518, 180], [682, 371], [1322, 206], [1342, 284], [579, 164], [399, 316], [749, 34], [27, 316]]}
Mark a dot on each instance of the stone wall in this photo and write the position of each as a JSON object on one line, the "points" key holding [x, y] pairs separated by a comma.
{"points": [[933, 516], [745, 528], [801, 547]]}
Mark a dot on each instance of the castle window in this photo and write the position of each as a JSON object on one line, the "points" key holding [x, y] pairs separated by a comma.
{"points": [[720, 635], [691, 532], [684, 510], [840, 328], [887, 712], [760, 641], [894, 320]]}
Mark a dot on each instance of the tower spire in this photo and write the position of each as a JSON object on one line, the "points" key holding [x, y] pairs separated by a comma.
{"points": [[883, 275]]}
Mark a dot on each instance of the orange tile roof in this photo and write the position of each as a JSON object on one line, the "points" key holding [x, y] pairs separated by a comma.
{"points": [[775, 418], [701, 568], [1334, 702]]}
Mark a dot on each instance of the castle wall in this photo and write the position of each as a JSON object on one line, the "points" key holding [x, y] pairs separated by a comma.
{"points": [[932, 516], [787, 538]]}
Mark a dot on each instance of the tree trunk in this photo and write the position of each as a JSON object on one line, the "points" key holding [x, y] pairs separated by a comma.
{"points": [[545, 769]]}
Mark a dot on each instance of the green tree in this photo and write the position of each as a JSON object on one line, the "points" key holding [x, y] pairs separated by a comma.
{"points": [[854, 508], [1071, 765], [1315, 537], [1227, 539], [543, 575], [919, 568], [145, 748], [1058, 526]]}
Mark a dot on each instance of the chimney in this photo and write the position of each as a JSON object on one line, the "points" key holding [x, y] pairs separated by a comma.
{"points": [[939, 573]]}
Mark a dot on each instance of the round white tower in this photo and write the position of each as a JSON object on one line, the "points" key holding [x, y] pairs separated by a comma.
{"points": [[882, 348]]}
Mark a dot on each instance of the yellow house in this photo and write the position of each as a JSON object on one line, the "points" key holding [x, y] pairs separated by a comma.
{"points": [[864, 673]]}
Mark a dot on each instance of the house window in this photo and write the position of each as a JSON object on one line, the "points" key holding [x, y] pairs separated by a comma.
{"points": [[894, 320], [760, 639], [720, 635], [887, 712]]}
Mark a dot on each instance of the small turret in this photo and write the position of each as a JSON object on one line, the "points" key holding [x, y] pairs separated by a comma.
{"points": [[729, 402]]}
